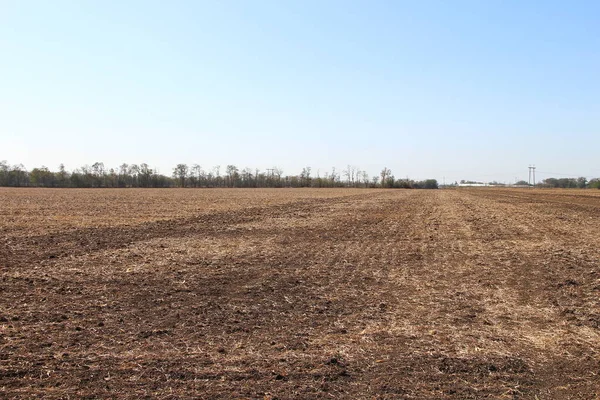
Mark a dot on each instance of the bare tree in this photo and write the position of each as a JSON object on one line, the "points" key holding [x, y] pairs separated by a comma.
{"points": [[305, 177], [353, 174], [4, 172], [385, 174], [99, 174], [124, 175], [256, 177], [365, 178], [180, 172], [247, 177], [232, 175], [62, 175], [112, 179], [19, 175], [217, 175], [196, 174], [346, 173], [278, 172], [145, 175]]}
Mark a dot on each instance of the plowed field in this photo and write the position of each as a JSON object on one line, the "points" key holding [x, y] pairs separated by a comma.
{"points": [[304, 294]]}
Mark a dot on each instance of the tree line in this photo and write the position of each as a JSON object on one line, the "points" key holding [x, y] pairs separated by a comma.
{"points": [[562, 183], [581, 183], [194, 176], [565, 183]]}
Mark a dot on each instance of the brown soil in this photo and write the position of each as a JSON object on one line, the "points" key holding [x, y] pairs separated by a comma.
{"points": [[311, 294]]}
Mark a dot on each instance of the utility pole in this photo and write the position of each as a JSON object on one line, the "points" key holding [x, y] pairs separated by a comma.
{"points": [[531, 175]]}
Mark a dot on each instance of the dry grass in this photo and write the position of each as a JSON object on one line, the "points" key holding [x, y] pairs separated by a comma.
{"points": [[300, 294]]}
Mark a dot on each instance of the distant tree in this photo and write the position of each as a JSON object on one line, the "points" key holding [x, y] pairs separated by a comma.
{"points": [[277, 173], [305, 179], [259, 180], [18, 176], [134, 174], [566, 182], [334, 177], [145, 175], [365, 178], [318, 182], [62, 175], [210, 179], [196, 175], [98, 174], [41, 177], [389, 182], [217, 175], [112, 178], [354, 175], [161, 181], [232, 175], [4, 168], [385, 176], [430, 184], [180, 172], [82, 177], [124, 179], [247, 177], [594, 183], [294, 181], [405, 184], [349, 173]]}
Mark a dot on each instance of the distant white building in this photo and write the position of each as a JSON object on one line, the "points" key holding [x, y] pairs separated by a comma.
{"points": [[473, 184]]}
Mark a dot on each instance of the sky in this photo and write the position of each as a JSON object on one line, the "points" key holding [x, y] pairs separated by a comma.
{"points": [[474, 90]]}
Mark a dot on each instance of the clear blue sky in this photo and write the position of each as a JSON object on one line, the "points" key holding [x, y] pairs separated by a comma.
{"points": [[461, 89]]}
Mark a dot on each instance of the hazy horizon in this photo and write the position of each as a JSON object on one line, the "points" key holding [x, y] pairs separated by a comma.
{"points": [[463, 90]]}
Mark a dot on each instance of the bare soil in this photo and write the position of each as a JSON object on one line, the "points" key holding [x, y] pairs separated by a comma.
{"points": [[304, 294]]}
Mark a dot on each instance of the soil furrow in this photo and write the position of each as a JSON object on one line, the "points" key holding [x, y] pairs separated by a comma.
{"points": [[369, 294]]}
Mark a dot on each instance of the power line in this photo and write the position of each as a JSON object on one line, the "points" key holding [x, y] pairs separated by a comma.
{"points": [[558, 173]]}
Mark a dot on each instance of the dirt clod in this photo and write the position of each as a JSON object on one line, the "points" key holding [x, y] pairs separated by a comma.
{"points": [[312, 294]]}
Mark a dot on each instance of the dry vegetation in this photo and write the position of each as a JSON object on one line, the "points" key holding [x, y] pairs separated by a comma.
{"points": [[312, 294]]}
